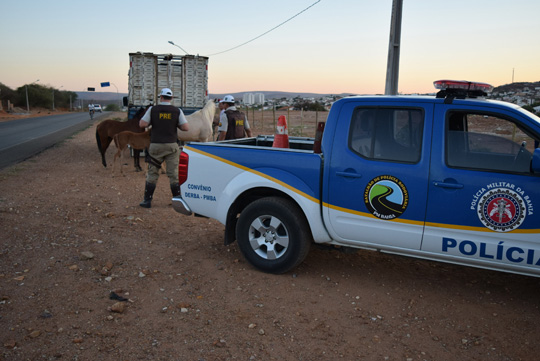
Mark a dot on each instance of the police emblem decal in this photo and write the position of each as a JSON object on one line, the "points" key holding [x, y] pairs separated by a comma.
{"points": [[501, 210], [386, 197]]}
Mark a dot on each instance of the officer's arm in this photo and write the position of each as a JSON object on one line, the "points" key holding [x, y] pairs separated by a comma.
{"points": [[145, 120], [182, 122], [247, 129]]}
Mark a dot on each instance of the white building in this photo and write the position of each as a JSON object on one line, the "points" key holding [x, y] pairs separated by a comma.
{"points": [[250, 98], [259, 98]]}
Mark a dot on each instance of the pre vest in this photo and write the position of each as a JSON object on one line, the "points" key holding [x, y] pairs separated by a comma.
{"points": [[164, 121], [235, 125]]}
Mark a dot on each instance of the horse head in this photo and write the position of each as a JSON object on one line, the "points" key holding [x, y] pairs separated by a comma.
{"points": [[140, 112], [209, 110]]}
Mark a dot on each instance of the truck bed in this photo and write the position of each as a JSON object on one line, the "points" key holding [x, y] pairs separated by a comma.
{"points": [[297, 143]]}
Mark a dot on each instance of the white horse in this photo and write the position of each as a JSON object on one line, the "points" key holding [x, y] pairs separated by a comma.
{"points": [[200, 124]]}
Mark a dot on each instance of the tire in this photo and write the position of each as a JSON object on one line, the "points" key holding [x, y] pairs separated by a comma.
{"points": [[273, 235]]}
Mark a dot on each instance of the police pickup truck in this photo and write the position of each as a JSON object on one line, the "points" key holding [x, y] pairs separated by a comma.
{"points": [[451, 177]]}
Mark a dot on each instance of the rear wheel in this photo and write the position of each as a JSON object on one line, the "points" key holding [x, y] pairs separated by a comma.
{"points": [[273, 235]]}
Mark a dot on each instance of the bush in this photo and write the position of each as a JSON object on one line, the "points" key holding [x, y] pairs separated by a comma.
{"points": [[112, 108]]}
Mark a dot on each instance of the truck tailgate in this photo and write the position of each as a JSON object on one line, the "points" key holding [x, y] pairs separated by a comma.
{"points": [[217, 174]]}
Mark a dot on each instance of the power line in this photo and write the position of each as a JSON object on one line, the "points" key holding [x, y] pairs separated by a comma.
{"points": [[275, 27]]}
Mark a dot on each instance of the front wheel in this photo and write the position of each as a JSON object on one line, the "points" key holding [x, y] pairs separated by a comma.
{"points": [[273, 235]]}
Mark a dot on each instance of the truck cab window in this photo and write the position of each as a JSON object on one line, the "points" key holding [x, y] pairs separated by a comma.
{"points": [[488, 142], [390, 134]]}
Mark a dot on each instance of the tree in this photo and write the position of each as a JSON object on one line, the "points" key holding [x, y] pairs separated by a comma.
{"points": [[6, 94], [303, 104], [529, 108], [42, 96]]}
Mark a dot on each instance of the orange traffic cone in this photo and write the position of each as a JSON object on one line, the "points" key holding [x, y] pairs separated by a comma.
{"points": [[281, 139]]}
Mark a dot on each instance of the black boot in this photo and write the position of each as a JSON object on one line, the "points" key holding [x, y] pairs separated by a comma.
{"points": [[148, 194], [175, 189]]}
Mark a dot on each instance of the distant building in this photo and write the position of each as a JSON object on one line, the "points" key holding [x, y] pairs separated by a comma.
{"points": [[259, 98], [250, 98]]}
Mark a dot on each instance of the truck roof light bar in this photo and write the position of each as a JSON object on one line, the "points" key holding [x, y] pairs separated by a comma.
{"points": [[460, 89]]}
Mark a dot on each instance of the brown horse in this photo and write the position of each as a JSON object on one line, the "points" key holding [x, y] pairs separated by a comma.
{"points": [[106, 130], [137, 141]]}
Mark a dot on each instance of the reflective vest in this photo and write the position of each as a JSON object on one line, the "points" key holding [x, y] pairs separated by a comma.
{"points": [[164, 121], [236, 123]]}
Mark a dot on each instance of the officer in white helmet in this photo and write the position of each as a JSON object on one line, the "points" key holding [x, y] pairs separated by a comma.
{"points": [[164, 119], [233, 124]]}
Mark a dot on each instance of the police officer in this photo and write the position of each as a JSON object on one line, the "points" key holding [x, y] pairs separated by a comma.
{"points": [[233, 123], [164, 119]]}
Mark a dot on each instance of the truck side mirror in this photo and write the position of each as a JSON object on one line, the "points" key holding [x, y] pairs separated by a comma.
{"points": [[535, 166], [125, 101]]}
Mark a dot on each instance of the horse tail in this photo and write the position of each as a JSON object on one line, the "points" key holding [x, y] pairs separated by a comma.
{"points": [[100, 148]]}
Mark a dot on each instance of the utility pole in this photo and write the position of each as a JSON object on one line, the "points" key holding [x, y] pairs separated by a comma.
{"points": [[392, 68], [27, 102]]}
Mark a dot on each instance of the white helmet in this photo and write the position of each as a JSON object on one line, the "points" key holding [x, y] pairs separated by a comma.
{"points": [[166, 92], [227, 99]]}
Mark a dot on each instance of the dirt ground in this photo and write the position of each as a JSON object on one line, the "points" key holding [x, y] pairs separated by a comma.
{"points": [[87, 274]]}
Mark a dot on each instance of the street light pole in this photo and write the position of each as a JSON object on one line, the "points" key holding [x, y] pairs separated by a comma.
{"points": [[27, 102], [170, 42], [117, 94], [108, 83]]}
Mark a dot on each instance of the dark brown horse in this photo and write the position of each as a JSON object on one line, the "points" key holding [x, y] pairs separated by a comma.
{"points": [[106, 130]]}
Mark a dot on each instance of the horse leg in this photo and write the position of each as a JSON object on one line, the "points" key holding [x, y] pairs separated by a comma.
{"points": [[122, 161], [136, 160], [118, 154]]}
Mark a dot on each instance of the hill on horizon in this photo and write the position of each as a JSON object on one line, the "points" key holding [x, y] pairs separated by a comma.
{"points": [[516, 86], [278, 94], [110, 97], [113, 96]]}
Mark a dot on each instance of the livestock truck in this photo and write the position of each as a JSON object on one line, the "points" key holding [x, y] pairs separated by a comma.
{"points": [[185, 75]]}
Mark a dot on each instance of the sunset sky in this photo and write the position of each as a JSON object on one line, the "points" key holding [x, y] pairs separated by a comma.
{"points": [[336, 46]]}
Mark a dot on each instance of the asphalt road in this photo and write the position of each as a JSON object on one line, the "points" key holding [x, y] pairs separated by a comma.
{"points": [[23, 138]]}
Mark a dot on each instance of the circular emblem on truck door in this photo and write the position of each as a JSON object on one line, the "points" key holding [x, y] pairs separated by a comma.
{"points": [[501, 210], [386, 197]]}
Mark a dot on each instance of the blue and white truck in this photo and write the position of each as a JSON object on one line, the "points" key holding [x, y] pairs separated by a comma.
{"points": [[452, 177]]}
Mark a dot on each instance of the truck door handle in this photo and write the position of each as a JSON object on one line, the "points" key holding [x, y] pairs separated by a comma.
{"points": [[447, 185], [349, 174]]}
